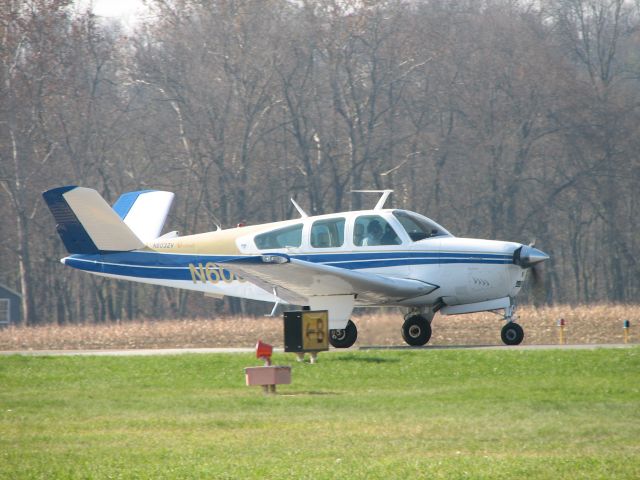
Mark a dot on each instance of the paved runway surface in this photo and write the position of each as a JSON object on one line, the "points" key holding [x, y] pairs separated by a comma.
{"points": [[181, 351]]}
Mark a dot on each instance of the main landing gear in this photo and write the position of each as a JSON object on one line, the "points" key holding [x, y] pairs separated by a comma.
{"points": [[344, 337], [512, 333], [416, 329]]}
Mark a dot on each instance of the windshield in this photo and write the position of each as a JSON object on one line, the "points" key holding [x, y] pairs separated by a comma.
{"points": [[417, 226]]}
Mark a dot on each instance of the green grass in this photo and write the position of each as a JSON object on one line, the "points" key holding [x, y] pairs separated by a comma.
{"points": [[382, 414]]}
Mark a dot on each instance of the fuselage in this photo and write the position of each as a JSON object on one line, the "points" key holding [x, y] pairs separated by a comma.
{"points": [[410, 246]]}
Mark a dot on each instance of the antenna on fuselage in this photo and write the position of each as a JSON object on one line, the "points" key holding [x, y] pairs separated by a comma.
{"points": [[383, 197], [302, 213]]}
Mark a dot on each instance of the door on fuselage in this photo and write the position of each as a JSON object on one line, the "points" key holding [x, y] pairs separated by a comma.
{"points": [[374, 231], [378, 247]]}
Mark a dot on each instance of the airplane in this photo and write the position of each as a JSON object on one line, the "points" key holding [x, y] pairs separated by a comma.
{"points": [[371, 258]]}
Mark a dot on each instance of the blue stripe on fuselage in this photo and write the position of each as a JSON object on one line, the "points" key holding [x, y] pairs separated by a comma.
{"points": [[176, 266]]}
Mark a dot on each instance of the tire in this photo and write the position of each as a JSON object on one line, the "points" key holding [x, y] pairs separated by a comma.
{"points": [[416, 330], [512, 334], [344, 337]]}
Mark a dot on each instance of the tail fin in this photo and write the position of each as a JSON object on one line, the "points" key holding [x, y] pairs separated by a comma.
{"points": [[86, 223], [144, 212]]}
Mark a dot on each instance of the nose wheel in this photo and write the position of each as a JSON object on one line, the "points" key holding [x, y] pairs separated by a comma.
{"points": [[512, 334], [416, 330]]}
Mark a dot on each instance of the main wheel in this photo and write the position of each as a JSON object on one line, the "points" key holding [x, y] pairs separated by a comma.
{"points": [[344, 337], [512, 334], [416, 330]]}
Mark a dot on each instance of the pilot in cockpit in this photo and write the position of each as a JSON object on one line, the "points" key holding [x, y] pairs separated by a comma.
{"points": [[374, 234]]}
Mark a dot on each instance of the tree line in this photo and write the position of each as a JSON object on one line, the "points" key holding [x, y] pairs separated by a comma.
{"points": [[506, 119]]}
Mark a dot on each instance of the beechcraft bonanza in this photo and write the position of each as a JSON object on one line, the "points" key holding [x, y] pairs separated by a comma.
{"points": [[370, 258]]}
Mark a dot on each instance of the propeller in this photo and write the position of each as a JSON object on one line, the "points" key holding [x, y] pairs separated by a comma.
{"points": [[537, 272], [538, 290], [527, 256], [537, 275]]}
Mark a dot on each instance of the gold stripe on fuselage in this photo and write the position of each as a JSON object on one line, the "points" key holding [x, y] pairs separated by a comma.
{"points": [[220, 242]]}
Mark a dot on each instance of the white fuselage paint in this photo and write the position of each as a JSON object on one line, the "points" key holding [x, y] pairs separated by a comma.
{"points": [[465, 270]]}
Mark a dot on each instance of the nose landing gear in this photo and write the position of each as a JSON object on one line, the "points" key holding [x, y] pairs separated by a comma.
{"points": [[512, 333]]}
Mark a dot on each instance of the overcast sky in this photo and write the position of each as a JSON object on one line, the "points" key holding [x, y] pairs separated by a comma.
{"points": [[126, 11]]}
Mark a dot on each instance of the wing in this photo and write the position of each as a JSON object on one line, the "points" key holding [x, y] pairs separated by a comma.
{"points": [[295, 281]]}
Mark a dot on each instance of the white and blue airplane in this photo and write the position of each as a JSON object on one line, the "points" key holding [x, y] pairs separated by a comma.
{"points": [[370, 258]]}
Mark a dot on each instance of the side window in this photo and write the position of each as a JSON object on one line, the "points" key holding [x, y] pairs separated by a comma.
{"points": [[327, 233], [370, 230], [281, 238]]}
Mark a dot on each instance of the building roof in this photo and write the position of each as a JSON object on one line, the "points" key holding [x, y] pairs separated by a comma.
{"points": [[10, 290]]}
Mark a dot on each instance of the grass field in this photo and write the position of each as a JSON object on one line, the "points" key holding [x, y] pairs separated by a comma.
{"points": [[369, 414]]}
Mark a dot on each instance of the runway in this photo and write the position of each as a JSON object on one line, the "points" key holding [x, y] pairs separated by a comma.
{"points": [[183, 351]]}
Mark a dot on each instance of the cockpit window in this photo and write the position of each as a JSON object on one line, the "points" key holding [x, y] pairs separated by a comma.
{"points": [[281, 238], [370, 230], [327, 233], [417, 226]]}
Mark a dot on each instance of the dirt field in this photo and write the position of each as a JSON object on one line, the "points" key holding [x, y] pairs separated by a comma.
{"points": [[585, 324]]}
